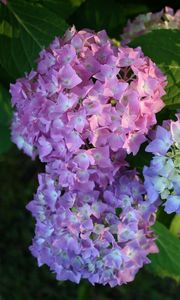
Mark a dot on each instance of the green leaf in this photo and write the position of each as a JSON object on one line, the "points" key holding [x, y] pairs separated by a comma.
{"points": [[5, 117], [5, 106], [165, 114], [163, 217], [175, 226], [83, 290], [167, 262], [62, 8], [163, 47], [25, 28]]}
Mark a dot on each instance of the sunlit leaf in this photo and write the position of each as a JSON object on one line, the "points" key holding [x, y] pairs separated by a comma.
{"points": [[167, 262]]}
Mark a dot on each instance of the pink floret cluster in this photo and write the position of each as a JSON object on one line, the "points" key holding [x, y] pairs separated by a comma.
{"points": [[86, 96], [88, 105], [101, 235], [165, 19]]}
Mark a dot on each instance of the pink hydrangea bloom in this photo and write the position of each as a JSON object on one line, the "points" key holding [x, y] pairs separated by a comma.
{"points": [[86, 93], [165, 19], [84, 234]]}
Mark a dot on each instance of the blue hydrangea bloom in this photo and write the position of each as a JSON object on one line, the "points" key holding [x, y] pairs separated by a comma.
{"points": [[162, 177]]}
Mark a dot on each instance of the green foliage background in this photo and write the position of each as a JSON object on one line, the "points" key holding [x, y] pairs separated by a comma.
{"points": [[26, 26]]}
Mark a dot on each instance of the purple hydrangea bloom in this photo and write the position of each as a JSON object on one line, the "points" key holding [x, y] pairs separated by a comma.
{"points": [[82, 234], [172, 204], [162, 142], [162, 177]]}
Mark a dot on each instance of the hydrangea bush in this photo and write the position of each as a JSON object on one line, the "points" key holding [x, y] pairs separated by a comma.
{"points": [[89, 104], [83, 111]]}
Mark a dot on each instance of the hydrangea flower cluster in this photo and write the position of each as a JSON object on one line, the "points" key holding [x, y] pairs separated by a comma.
{"points": [[99, 235], [162, 177], [86, 93], [87, 105], [165, 19]]}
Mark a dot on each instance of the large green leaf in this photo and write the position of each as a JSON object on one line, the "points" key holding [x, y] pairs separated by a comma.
{"points": [[163, 47], [25, 28], [167, 262], [64, 8], [5, 117]]}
